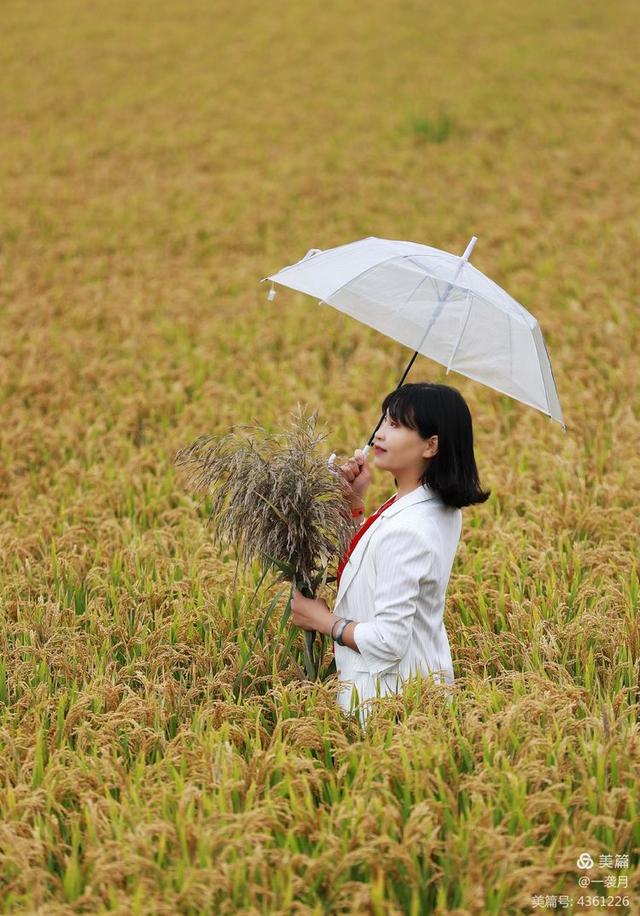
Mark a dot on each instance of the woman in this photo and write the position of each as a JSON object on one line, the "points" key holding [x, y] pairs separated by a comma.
{"points": [[393, 579]]}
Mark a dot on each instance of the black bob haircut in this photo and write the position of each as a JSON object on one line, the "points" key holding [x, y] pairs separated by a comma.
{"points": [[440, 410]]}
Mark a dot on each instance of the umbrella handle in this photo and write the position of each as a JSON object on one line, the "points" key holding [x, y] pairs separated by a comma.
{"points": [[333, 456]]}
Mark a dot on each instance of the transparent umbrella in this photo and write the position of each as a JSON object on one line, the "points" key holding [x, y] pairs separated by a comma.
{"points": [[438, 304]]}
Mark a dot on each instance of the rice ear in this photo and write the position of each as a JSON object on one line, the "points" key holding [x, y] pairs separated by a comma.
{"points": [[273, 497]]}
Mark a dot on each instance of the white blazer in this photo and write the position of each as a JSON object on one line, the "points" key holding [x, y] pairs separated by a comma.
{"points": [[394, 585]]}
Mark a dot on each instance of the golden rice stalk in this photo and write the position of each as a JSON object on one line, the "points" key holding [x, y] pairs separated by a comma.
{"points": [[275, 499]]}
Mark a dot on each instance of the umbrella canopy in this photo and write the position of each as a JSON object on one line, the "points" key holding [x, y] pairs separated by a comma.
{"points": [[438, 304]]}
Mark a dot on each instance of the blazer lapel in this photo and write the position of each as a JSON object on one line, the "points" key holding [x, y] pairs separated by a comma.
{"points": [[420, 494], [354, 561]]}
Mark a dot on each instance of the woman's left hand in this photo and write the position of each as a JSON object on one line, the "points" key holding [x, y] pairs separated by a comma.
{"points": [[310, 613]]}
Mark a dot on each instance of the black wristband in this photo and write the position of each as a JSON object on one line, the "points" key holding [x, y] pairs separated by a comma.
{"points": [[340, 634]]}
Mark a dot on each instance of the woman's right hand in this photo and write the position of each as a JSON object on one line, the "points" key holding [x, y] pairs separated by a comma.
{"points": [[357, 476]]}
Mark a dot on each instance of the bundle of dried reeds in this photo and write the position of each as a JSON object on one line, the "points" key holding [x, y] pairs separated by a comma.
{"points": [[275, 499]]}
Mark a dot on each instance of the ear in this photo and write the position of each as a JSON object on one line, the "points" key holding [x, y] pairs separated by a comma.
{"points": [[431, 448]]}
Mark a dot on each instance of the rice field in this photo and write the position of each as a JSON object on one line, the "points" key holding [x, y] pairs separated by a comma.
{"points": [[157, 161]]}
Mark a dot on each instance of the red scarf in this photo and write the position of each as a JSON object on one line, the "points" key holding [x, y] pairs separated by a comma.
{"points": [[354, 541]]}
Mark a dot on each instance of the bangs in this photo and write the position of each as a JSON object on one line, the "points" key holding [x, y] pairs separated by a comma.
{"points": [[400, 408]]}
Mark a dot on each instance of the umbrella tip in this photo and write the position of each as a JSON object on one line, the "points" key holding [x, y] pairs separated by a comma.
{"points": [[469, 248], [310, 253]]}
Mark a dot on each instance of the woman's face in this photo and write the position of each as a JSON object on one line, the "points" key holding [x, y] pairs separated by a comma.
{"points": [[399, 449]]}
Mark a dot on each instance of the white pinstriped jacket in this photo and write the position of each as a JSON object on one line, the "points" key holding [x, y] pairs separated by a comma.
{"points": [[394, 585]]}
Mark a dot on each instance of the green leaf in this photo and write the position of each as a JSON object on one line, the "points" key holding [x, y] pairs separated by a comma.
{"points": [[309, 662], [259, 633], [285, 568]]}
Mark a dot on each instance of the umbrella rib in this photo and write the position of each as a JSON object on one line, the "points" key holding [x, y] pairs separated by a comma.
{"points": [[450, 283], [538, 340], [361, 274], [441, 301], [415, 290], [394, 257], [511, 351], [463, 328]]}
